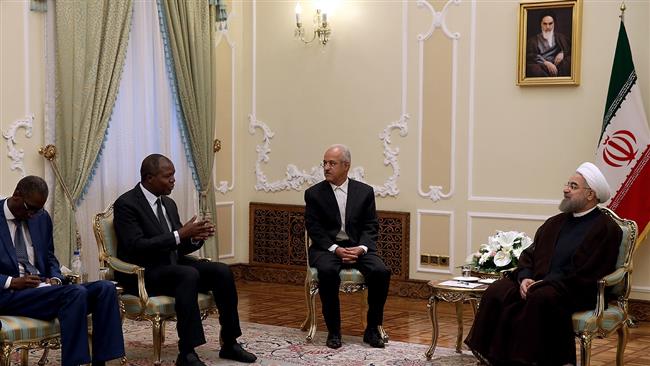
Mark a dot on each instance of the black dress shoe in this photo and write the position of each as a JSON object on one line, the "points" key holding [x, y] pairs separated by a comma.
{"points": [[333, 340], [373, 338], [189, 359], [235, 352]]}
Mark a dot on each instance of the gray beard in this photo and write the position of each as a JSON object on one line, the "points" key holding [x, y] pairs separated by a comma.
{"points": [[570, 206], [548, 36]]}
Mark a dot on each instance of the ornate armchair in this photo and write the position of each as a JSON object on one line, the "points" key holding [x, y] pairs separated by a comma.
{"points": [[20, 333], [155, 309], [610, 316], [351, 281]]}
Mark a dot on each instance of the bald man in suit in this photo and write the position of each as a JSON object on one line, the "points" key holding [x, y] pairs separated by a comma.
{"points": [[341, 220]]}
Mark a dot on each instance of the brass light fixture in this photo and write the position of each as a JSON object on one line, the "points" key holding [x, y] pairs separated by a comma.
{"points": [[322, 29]]}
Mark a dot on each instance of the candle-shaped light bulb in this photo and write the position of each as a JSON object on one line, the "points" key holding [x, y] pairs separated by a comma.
{"points": [[298, 11]]}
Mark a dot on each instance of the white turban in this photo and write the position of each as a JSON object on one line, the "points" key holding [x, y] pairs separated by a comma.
{"points": [[596, 180]]}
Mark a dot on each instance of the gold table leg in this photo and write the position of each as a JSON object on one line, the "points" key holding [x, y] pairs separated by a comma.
{"points": [[433, 316]]}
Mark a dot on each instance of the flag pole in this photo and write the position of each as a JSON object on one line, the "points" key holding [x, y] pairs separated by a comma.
{"points": [[622, 8]]}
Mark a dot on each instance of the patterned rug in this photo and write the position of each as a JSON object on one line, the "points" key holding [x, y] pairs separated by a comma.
{"points": [[279, 346]]}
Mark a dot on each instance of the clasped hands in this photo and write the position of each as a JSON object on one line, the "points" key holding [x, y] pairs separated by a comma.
{"points": [[349, 255], [198, 230]]}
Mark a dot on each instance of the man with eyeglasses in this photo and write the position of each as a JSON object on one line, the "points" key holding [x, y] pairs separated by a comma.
{"points": [[341, 220], [526, 319], [31, 281]]}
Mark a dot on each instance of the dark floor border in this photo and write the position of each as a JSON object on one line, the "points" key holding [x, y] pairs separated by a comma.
{"points": [[417, 289]]}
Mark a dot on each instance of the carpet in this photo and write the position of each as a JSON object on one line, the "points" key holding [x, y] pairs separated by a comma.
{"points": [[279, 346]]}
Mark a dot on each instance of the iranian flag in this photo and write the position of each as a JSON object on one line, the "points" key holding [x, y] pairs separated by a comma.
{"points": [[624, 147]]}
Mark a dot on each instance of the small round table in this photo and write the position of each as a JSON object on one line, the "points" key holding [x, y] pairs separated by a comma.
{"points": [[457, 296]]}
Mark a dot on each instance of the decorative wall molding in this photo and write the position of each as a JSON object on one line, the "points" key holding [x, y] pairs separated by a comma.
{"points": [[224, 33], [495, 215], [471, 128], [438, 20], [232, 229], [418, 247], [17, 154], [295, 178]]}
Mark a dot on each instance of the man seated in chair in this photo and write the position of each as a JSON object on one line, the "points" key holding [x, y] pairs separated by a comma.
{"points": [[150, 234], [526, 319], [32, 282], [341, 220]]}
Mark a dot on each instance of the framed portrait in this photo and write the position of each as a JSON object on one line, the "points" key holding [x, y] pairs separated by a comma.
{"points": [[549, 43]]}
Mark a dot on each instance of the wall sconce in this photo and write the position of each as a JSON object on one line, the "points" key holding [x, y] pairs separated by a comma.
{"points": [[322, 30]]}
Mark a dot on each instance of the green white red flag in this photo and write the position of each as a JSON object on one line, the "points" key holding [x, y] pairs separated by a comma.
{"points": [[623, 153]]}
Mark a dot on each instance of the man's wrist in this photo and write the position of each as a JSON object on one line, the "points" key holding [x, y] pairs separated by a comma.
{"points": [[56, 280]]}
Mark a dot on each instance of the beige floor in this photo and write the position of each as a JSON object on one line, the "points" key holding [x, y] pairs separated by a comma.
{"points": [[405, 320]]}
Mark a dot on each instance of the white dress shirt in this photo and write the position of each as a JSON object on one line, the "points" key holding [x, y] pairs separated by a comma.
{"points": [[341, 194], [152, 198]]}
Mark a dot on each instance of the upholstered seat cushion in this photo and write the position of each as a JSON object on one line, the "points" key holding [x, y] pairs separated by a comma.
{"points": [[20, 328], [348, 275], [586, 321], [163, 305]]}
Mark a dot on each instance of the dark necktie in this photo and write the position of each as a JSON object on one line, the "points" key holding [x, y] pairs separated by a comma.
{"points": [[173, 256], [21, 249]]}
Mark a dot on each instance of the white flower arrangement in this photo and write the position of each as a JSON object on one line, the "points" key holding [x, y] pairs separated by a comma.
{"points": [[501, 252]]}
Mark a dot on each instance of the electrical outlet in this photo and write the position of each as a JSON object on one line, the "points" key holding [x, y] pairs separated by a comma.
{"points": [[444, 260], [424, 259], [434, 260]]}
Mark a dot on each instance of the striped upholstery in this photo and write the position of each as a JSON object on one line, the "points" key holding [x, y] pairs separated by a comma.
{"points": [[586, 321], [163, 305], [23, 329], [348, 276]]}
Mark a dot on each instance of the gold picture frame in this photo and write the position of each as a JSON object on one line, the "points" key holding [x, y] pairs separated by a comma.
{"points": [[540, 24]]}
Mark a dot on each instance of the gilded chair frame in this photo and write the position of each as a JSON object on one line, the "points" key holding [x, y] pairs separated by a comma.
{"points": [[51, 340], [29, 334], [610, 316], [349, 285], [109, 263]]}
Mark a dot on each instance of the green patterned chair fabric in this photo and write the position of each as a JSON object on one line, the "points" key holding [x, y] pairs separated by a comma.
{"points": [[155, 309], [610, 316], [23, 333], [351, 281]]}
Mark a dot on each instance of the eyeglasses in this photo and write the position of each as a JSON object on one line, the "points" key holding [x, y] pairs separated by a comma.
{"points": [[31, 209], [574, 186], [331, 163]]}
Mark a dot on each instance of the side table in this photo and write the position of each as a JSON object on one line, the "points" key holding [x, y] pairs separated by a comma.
{"points": [[450, 294]]}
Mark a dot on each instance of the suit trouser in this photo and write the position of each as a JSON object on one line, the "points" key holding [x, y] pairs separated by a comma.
{"points": [[377, 278], [71, 304], [184, 281]]}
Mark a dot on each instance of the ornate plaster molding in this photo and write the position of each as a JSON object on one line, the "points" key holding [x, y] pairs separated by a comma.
{"points": [[295, 178], [438, 20], [16, 154]]}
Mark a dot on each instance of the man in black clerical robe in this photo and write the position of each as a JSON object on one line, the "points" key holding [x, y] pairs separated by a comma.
{"points": [[526, 319], [548, 53]]}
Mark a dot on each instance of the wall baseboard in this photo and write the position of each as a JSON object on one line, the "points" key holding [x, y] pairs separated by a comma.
{"points": [[416, 289]]}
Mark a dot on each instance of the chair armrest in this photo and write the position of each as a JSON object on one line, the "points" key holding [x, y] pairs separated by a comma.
{"points": [[615, 277], [610, 280], [125, 267], [72, 279]]}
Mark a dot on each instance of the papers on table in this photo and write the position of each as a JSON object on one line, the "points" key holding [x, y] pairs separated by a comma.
{"points": [[452, 283]]}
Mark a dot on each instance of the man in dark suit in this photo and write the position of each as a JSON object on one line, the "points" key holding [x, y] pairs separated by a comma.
{"points": [[31, 281], [150, 234], [341, 220]]}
